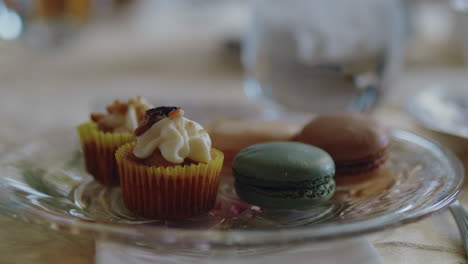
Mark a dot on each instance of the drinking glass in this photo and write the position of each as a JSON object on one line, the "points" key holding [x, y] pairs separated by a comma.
{"points": [[322, 55]]}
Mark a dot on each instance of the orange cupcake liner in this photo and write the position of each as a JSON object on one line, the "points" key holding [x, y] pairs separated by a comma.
{"points": [[168, 193], [99, 152]]}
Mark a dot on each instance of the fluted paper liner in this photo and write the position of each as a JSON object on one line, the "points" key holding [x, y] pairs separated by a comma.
{"points": [[99, 152], [168, 193]]}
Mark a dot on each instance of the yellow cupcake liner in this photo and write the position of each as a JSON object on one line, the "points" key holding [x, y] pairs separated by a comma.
{"points": [[99, 152], [168, 193]]}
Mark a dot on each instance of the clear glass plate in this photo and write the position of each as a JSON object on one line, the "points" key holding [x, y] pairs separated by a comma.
{"points": [[44, 182]]}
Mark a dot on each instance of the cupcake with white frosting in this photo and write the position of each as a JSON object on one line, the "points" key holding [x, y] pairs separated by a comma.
{"points": [[101, 137], [171, 171]]}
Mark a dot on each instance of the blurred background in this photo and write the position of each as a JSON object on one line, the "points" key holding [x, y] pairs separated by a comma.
{"points": [[246, 57], [218, 53], [143, 35], [97, 38], [221, 53], [54, 27]]}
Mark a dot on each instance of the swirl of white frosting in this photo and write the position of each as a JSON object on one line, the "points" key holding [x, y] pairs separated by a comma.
{"points": [[177, 138]]}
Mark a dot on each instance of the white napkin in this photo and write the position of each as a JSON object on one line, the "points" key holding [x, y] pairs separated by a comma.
{"points": [[353, 251]]}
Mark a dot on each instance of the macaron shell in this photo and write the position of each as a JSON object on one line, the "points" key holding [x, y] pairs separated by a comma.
{"points": [[346, 136], [281, 164], [287, 198]]}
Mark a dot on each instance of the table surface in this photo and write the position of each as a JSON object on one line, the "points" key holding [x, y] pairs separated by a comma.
{"points": [[40, 95]]}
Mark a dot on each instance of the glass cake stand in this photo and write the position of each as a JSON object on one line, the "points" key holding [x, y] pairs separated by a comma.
{"points": [[44, 182]]}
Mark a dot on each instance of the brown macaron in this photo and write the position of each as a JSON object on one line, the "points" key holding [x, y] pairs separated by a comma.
{"points": [[356, 142]]}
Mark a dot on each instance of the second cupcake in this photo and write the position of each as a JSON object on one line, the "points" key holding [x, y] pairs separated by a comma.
{"points": [[101, 137], [171, 172]]}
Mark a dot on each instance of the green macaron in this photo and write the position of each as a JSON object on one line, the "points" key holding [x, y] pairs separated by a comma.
{"points": [[284, 175]]}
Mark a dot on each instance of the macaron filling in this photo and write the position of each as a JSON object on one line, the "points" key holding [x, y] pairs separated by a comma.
{"points": [[279, 198], [356, 167], [281, 185]]}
